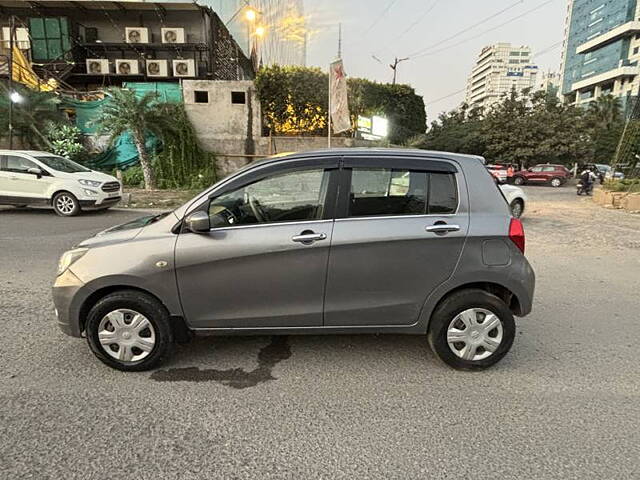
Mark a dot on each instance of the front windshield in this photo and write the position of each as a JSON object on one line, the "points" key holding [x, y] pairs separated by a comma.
{"points": [[61, 164]]}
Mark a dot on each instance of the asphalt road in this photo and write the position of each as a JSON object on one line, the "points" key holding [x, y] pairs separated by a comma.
{"points": [[564, 404]]}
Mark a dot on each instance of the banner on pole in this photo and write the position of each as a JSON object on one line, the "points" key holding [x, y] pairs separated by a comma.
{"points": [[340, 117]]}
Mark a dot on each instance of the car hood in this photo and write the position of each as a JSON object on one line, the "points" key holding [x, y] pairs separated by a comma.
{"points": [[124, 232], [92, 175]]}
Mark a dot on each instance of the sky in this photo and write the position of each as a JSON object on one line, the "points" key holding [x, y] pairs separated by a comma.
{"points": [[385, 29]]}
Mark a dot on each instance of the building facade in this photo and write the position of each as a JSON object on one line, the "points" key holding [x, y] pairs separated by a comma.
{"points": [[548, 82], [499, 69], [601, 50]]}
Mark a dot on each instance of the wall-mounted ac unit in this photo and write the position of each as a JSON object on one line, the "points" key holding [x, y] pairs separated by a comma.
{"points": [[156, 68], [172, 35], [21, 38], [127, 67], [184, 68], [136, 35], [97, 66]]}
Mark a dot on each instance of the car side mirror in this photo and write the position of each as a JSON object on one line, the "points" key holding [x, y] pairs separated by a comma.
{"points": [[198, 222], [35, 171]]}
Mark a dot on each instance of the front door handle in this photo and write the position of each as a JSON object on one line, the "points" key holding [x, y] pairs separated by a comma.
{"points": [[443, 228], [308, 237]]}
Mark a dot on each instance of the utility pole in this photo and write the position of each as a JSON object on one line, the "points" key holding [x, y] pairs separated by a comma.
{"points": [[330, 74], [11, 34], [394, 66]]}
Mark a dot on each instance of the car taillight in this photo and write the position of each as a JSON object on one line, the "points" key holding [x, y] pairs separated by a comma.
{"points": [[516, 233]]}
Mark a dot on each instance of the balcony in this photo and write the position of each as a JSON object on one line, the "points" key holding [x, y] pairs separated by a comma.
{"points": [[622, 71], [612, 35]]}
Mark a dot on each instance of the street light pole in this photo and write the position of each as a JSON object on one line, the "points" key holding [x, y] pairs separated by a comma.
{"points": [[394, 67], [11, 33]]}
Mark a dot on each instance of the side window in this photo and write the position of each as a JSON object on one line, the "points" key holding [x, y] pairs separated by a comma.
{"points": [[380, 191], [11, 163], [549, 169], [287, 197], [443, 194], [536, 169]]}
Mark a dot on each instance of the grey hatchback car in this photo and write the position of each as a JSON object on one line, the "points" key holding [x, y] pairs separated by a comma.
{"points": [[334, 241]]}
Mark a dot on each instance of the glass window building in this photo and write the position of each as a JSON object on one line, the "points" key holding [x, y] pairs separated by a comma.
{"points": [[601, 50]]}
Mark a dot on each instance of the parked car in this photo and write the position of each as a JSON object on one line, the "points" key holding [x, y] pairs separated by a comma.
{"points": [[555, 175], [516, 199], [499, 172], [41, 178], [604, 172], [336, 241]]}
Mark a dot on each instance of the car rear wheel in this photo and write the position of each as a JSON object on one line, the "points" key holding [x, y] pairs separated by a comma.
{"points": [[129, 330], [517, 208], [556, 182], [471, 330], [66, 204], [518, 181]]}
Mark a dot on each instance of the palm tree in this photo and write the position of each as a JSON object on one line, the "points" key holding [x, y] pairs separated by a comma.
{"points": [[126, 112], [605, 112], [32, 115]]}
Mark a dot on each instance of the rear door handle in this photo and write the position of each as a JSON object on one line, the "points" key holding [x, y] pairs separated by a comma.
{"points": [[443, 228], [309, 237]]}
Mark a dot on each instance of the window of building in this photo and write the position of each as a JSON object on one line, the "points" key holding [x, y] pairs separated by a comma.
{"points": [[514, 54], [635, 50], [287, 197], [238, 97], [200, 96]]}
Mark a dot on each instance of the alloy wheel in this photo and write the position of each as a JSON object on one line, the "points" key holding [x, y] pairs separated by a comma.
{"points": [[65, 204], [556, 182], [126, 335], [475, 334]]}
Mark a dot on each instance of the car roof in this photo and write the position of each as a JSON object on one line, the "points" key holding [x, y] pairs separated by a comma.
{"points": [[364, 151], [33, 153]]}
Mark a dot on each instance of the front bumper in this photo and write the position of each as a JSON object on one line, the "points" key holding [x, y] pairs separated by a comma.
{"points": [[65, 298]]}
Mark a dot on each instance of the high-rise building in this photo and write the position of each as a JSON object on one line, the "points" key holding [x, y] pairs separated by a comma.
{"points": [[548, 82], [499, 69], [601, 50], [284, 40]]}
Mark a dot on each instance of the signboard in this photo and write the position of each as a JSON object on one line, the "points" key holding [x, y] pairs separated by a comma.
{"points": [[372, 128]]}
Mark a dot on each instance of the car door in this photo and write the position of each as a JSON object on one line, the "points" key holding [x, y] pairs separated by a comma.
{"points": [[264, 261], [19, 183], [399, 231], [536, 175]]}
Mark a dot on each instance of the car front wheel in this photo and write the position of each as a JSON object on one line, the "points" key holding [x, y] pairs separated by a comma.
{"points": [[129, 330], [66, 204], [471, 330], [518, 181], [517, 208], [556, 182]]}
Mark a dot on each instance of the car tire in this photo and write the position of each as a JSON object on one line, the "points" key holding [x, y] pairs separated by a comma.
{"points": [[65, 204], [447, 324], [118, 335], [518, 181], [517, 208], [556, 182]]}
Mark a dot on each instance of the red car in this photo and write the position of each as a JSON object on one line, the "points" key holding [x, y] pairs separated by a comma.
{"points": [[555, 175]]}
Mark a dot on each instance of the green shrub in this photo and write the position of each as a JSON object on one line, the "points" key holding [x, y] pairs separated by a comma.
{"points": [[631, 185], [132, 177], [65, 140]]}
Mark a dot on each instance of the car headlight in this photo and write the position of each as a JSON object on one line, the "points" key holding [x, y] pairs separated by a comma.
{"points": [[69, 258], [90, 183]]}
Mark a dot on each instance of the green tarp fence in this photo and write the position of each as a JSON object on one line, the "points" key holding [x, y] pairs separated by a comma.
{"points": [[122, 153]]}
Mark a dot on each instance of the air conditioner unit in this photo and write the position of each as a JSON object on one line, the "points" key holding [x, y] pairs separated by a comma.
{"points": [[97, 66], [21, 38], [157, 68], [127, 67], [184, 68], [136, 35], [172, 35]]}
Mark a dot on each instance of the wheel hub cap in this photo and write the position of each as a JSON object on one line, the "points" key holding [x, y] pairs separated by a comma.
{"points": [[475, 334], [126, 335]]}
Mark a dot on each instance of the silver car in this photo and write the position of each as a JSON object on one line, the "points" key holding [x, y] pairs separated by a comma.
{"points": [[336, 241]]}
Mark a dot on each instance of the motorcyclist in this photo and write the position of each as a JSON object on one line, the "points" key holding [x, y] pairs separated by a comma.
{"points": [[588, 178]]}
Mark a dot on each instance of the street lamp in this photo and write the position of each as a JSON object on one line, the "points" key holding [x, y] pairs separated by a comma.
{"points": [[260, 31], [15, 97], [250, 15]]}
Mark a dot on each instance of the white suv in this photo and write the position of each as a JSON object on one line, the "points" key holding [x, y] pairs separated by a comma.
{"points": [[41, 178]]}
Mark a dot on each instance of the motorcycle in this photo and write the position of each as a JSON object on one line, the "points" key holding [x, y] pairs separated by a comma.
{"points": [[584, 188]]}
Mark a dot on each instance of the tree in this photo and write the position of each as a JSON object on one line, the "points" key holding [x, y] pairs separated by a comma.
{"points": [[31, 115], [605, 122], [126, 112], [457, 131]]}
